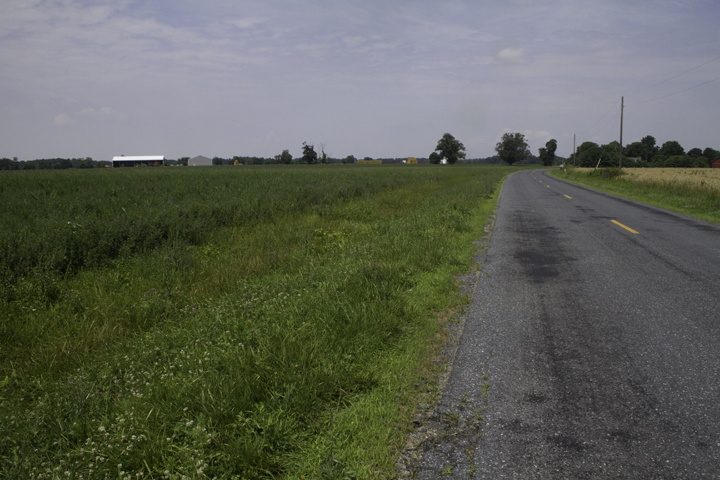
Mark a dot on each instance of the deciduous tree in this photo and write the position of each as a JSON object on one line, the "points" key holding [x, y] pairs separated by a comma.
{"points": [[450, 149], [323, 155], [309, 154], [513, 148], [547, 154], [711, 154], [671, 148], [651, 148], [636, 149]]}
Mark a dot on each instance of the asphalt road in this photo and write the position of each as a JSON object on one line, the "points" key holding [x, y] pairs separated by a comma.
{"points": [[589, 350]]}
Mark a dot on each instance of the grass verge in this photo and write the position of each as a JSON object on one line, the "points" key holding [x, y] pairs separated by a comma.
{"points": [[694, 199]]}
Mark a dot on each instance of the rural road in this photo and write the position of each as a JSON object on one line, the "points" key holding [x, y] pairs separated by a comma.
{"points": [[589, 351]]}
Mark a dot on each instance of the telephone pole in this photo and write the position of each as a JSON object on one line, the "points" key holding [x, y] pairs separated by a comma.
{"points": [[574, 164], [622, 108]]}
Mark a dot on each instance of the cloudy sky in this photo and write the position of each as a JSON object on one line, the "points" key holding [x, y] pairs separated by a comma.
{"points": [[378, 78]]}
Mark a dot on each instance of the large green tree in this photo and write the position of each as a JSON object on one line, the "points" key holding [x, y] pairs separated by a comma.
{"points": [[285, 157], [513, 148], [309, 154], [547, 154], [651, 149], [450, 149], [671, 148], [588, 154], [711, 154], [694, 153], [636, 149]]}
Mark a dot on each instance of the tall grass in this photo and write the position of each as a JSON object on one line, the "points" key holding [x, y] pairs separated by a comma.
{"points": [[62, 222], [689, 191], [280, 344]]}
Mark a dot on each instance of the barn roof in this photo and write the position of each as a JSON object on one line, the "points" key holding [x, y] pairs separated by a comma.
{"points": [[141, 158]]}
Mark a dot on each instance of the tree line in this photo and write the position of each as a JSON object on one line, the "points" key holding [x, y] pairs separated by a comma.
{"points": [[645, 153], [51, 163], [448, 150], [512, 148]]}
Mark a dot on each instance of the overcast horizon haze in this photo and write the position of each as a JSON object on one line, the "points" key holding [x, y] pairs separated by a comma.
{"points": [[365, 78]]}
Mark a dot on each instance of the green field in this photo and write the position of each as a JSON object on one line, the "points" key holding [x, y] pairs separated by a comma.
{"points": [[229, 322]]}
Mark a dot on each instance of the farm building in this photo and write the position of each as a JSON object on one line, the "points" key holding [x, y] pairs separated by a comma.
{"points": [[199, 161], [146, 161], [716, 163]]}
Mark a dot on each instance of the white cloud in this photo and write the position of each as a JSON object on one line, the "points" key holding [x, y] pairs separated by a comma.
{"points": [[103, 113], [247, 22], [353, 40], [536, 134], [510, 55], [63, 119]]}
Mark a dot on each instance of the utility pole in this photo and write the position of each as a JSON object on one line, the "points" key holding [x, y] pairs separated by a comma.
{"points": [[622, 108], [574, 164]]}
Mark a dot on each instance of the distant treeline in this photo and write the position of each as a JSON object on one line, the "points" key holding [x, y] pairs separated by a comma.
{"points": [[644, 153], [51, 163], [64, 163], [349, 159]]}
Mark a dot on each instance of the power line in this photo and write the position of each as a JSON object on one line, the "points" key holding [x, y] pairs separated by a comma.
{"points": [[673, 78], [600, 120], [607, 123], [681, 91], [652, 99]]}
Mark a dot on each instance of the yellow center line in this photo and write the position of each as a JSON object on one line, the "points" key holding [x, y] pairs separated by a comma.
{"points": [[569, 197], [623, 226], [547, 186]]}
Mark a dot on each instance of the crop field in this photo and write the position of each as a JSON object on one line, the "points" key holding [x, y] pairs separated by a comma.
{"points": [[700, 178], [692, 191], [219, 322]]}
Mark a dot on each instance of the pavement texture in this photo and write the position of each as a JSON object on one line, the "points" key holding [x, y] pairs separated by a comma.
{"points": [[588, 351]]}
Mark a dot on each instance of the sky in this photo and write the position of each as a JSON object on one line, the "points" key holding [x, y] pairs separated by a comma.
{"points": [[369, 78]]}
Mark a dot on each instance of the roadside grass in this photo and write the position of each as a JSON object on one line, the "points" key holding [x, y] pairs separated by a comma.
{"points": [[286, 347], [691, 191]]}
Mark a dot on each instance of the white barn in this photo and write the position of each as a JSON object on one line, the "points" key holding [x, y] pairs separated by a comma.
{"points": [[146, 161], [199, 161]]}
